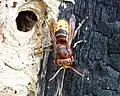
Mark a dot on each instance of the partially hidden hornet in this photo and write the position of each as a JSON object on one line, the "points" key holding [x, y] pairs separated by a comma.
{"points": [[62, 34]]}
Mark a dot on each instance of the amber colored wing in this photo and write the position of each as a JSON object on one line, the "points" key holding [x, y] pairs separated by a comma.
{"points": [[72, 33], [72, 27], [52, 24]]}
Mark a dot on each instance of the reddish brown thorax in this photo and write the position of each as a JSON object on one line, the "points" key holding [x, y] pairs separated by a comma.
{"points": [[63, 55], [63, 51]]}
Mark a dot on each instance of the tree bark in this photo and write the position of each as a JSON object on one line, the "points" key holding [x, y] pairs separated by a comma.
{"points": [[100, 55]]}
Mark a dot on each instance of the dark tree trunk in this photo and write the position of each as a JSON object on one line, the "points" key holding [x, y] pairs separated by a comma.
{"points": [[100, 55]]}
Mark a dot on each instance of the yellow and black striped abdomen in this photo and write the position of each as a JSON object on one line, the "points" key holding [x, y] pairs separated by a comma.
{"points": [[62, 24], [61, 35], [62, 31]]}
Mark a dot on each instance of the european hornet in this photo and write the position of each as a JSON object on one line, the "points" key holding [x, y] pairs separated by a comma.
{"points": [[62, 34]]}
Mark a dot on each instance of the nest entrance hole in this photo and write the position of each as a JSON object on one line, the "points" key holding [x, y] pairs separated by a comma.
{"points": [[26, 20]]}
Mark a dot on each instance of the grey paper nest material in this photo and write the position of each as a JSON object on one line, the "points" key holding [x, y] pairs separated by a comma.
{"points": [[19, 65]]}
